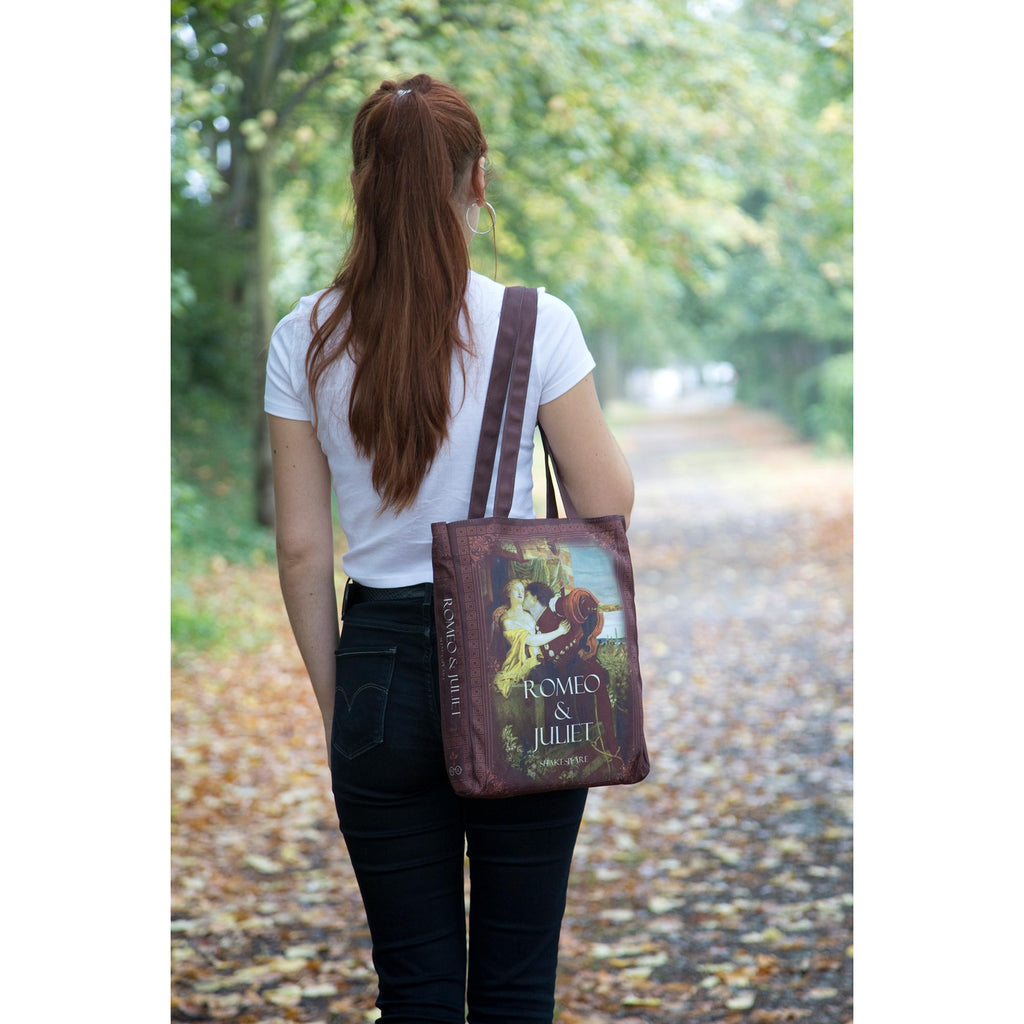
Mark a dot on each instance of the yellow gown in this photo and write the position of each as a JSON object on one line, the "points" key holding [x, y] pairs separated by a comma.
{"points": [[518, 662]]}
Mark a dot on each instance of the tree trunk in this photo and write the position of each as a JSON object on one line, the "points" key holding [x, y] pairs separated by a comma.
{"points": [[262, 321]]}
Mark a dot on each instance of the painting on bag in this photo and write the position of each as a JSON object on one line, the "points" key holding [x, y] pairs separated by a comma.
{"points": [[546, 686]]}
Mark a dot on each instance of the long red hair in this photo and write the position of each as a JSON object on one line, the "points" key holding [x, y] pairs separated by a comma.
{"points": [[401, 287]]}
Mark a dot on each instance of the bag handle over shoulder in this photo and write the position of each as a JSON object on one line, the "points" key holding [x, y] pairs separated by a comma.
{"points": [[497, 387], [515, 404], [506, 394]]}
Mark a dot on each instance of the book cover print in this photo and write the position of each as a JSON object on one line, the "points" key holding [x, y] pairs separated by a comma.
{"points": [[556, 660]]}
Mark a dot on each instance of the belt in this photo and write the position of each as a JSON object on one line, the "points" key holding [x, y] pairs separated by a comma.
{"points": [[356, 593]]}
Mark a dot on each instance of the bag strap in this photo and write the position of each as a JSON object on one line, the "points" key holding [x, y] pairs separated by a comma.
{"points": [[549, 463], [510, 376], [515, 404], [497, 388]]}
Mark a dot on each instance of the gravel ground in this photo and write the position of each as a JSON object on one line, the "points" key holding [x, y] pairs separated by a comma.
{"points": [[718, 890], [722, 886]]}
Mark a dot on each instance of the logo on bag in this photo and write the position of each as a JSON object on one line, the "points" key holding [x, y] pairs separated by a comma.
{"points": [[455, 770]]}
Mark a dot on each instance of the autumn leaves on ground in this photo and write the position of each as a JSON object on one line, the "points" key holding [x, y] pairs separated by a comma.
{"points": [[719, 890]]}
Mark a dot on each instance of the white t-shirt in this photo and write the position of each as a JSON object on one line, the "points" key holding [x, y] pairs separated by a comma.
{"points": [[391, 549]]}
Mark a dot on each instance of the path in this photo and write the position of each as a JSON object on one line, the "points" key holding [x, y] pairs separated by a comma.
{"points": [[732, 863], [715, 891]]}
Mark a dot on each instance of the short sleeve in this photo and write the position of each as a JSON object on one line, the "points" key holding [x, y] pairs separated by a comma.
{"points": [[562, 353], [286, 393]]}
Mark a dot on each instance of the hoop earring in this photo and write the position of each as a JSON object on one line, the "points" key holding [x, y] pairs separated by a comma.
{"points": [[490, 210]]}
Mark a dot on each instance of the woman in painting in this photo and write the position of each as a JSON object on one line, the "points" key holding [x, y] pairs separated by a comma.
{"points": [[519, 630]]}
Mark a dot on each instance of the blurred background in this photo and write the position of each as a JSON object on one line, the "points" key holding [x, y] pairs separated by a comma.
{"points": [[679, 172]]}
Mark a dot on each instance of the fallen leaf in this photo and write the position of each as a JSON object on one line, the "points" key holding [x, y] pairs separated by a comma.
{"points": [[319, 991], [728, 872], [823, 993], [264, 865], [662, 905], [286, 995], [741, 1001]]}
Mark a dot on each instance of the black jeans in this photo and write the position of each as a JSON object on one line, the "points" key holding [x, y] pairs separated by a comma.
{"points": [[408, 836]]}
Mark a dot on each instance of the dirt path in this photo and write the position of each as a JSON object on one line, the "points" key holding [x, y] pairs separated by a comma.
{"points": [[716, 891], [731, 866]]}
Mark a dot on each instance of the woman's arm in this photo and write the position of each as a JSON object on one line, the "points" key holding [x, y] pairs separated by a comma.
{"points": [[537, 640], [590, 462], [305, 552]]}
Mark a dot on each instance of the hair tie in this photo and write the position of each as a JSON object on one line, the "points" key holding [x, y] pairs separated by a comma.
{"points": [[402, 92]]}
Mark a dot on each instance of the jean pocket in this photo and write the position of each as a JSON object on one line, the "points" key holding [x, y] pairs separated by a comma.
{"points": [[362, 681]]}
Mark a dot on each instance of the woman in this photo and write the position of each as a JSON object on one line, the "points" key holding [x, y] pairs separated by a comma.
{"points": [[522, 640], [377, 384]]}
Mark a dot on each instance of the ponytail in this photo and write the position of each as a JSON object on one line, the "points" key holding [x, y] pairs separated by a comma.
{"points": [[402, 285]]}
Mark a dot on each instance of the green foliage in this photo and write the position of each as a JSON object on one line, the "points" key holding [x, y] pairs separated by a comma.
{"points": [[211, 349], [193, 626], [211, 516], [831, 417], [211, 504], [679, 173]]}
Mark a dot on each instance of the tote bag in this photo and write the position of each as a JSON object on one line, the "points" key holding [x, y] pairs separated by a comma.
{"points": [[540, 683]]}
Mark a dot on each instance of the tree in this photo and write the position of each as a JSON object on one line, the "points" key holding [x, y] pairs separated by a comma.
{"points": [[679, 173], [789, 328], [243, 70]]}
